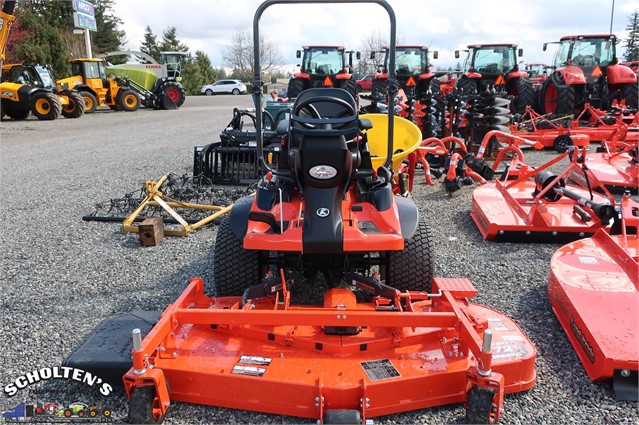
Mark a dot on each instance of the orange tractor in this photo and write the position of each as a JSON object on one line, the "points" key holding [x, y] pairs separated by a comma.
{"points": [[587, 71], [323, 66]]}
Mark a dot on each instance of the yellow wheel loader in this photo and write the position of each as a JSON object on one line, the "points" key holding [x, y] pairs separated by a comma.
{"points": [[90, 79]]}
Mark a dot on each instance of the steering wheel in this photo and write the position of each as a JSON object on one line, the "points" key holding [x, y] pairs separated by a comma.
{"points": [[308, 104]]}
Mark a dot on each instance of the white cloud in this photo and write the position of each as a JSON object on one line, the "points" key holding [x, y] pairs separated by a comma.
{"points": [[443, 25]]}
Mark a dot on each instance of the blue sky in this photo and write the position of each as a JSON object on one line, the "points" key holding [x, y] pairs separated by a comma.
{"points": [[443, 25]]}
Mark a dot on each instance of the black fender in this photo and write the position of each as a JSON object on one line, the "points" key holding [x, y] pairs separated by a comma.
{"points": [[85, 88], [408, 216], [239, 215]]}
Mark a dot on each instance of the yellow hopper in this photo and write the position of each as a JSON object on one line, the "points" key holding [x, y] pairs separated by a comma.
{"points": [[407, 138]]}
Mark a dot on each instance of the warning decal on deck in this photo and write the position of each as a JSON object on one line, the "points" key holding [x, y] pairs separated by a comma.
{"points": [[248, 370], [496, 324], [257, 360], [380, 369]]}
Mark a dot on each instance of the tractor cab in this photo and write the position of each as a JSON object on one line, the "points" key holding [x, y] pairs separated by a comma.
{"points": [[31, 75], [323, 66], [174, 62], [492, 61], [587, 53], [92, 72]]}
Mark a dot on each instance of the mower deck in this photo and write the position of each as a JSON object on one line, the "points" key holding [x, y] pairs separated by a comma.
{"points": [[616, 171], [374, 358], [506, 210], [594, 292]]}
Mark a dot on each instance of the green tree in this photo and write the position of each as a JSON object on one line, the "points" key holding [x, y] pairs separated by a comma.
{"points": [[632, 42], [170, 42], [45, 44], [150, 44], [197, 72], [108, 37]]}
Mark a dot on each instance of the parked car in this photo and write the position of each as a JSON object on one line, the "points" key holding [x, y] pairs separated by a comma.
{"points": [[224, 86], [365, 83]]}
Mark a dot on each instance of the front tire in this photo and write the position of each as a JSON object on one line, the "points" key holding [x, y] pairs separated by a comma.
{"points": [[46, 106], [173, 93], [416, 255], [208, 92], [128, 100], [479, 405], [76, 106], [143, 407], [235, 92], [234, 268]]}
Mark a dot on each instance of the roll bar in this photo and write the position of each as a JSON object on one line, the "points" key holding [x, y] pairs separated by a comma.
{"points": [[257, 82]]}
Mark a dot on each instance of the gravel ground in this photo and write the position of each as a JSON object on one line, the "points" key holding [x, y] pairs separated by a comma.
{"points": [[61, 276]]}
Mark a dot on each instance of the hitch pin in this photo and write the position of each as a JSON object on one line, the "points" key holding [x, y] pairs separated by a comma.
{"points": [[137, 346], [485, 348]]}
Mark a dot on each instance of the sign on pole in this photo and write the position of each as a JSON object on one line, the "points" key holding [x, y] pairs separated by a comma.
{"points": [[84, 15]]}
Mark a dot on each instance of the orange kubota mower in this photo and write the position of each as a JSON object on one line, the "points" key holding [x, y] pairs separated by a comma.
{"points": [[406, 341]]}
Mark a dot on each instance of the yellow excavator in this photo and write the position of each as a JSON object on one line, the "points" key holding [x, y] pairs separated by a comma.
{"points": [[18, 100]]}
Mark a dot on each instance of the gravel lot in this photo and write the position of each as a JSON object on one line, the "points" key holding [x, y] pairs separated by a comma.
{"points": [[61, 276]]}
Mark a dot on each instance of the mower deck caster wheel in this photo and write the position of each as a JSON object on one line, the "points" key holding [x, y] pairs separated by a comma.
{"points": [[342, 417], [143, 406], [479, 405]]}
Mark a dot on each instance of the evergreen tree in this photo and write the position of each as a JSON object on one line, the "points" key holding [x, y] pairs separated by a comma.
{"points": [[44, 46], [150, 44], [108, 37], [632, 42], [197, 72], [170, 43]]}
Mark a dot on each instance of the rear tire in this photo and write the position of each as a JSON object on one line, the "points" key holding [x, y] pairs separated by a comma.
{"points": [[17, 115], [295, 87], [141, 406], [412, 269], [379, 89], [90, 102], [557, 97], [46, 106], [128, 100], [524, 95], [630, 94], [234, 268], [468, 86], [76, 106], [351, 87]]}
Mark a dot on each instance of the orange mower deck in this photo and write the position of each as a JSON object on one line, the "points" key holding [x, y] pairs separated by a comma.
{"points": [[271, 356], [593, 289], [532, 204], [617, 167]]}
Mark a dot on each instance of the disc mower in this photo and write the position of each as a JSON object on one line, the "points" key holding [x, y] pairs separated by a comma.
{"points": [[533, 204], [404, 340], [594, 291]]}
